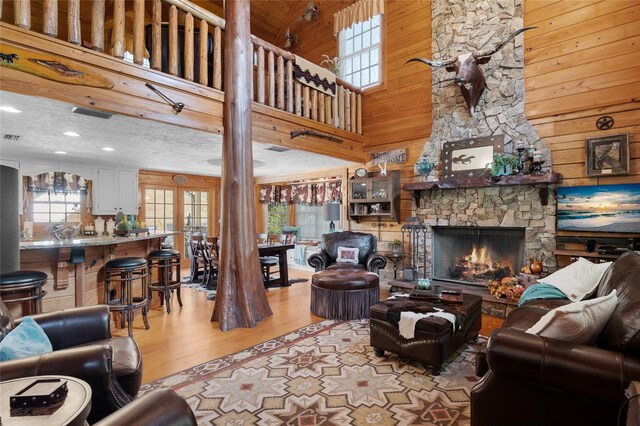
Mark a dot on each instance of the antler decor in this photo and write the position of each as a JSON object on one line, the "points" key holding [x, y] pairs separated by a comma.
{"points": [[469, 76]]}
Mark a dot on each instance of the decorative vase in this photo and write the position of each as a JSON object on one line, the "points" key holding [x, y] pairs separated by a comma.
{"points": [[424, 167], [536, 266], [99, 226]]}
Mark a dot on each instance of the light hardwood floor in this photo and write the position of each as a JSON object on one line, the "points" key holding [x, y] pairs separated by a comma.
{"points": [[186, 337]]}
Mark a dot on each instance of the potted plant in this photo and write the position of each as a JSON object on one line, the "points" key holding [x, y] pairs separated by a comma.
{"points": [[395, 246], [503, 164]]}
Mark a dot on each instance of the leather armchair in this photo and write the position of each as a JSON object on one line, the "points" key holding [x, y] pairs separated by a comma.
{"points": [[157, 408], [84, 348], [368, 259]]}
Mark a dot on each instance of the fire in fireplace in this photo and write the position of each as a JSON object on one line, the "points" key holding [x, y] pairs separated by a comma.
{"points": [[477, 255]]}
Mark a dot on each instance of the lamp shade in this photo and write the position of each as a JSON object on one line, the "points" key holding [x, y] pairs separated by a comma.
{"points": [[332, 211]]}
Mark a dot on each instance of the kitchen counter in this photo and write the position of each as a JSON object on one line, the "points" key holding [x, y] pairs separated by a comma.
{"points": [[91, 241], [75, 268]]}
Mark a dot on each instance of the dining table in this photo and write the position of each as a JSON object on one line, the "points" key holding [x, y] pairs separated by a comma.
{"points": [[280, 251]]}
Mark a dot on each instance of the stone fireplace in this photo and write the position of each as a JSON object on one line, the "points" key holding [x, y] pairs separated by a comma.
{"points": [[460, 26]]}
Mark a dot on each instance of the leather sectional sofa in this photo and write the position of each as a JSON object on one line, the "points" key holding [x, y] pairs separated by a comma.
{"points": [[533, 380]]}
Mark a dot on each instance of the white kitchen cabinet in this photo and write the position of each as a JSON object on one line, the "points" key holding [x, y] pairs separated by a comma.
{"points": [[115, 191]]}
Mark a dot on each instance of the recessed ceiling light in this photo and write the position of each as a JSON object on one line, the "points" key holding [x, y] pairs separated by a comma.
{"points": [[72, 134], [59, 152], [107, 148], [9, 109]]}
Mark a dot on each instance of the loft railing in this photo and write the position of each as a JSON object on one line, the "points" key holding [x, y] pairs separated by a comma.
{"points": [[188, 40]]}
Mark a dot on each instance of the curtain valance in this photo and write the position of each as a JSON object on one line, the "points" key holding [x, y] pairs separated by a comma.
{"points": [[315, 194], [360, 11], [56, 182]]}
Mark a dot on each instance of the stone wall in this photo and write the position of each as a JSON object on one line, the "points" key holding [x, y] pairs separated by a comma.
{"points": [[511, 206], [461, 26]]}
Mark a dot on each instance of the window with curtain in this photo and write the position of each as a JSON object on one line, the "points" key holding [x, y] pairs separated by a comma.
{"points": [[310, 220], [359, 49], [277, 217], [51, 207]]}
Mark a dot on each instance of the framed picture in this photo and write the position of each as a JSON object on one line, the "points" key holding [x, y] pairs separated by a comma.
{"points": [[468, 158], [608, 155]]}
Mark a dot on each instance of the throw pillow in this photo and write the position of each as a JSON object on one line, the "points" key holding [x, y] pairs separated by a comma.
{"points": [[579, 322], [578, 279], [347, 255], [25, 340]]}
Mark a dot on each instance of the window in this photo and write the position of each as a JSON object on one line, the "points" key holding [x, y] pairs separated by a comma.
{"points": [[51, 207], [277, 217], [359, 51], [310, 220], [158, 207], [196, 211]]}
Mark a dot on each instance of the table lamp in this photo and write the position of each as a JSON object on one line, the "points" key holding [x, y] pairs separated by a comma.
{"points": [[331, 213]]}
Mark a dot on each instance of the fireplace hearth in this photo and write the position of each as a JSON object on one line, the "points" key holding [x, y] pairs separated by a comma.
{"points": [[477, 255]]}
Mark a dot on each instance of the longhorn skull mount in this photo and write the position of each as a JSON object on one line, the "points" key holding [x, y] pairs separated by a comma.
{"points": [[469, 76]]}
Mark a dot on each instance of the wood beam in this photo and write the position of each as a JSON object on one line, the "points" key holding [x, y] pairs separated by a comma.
{"points": [[241, 300]]}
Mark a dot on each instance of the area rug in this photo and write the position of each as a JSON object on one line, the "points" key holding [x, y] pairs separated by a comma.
{"points": [[325, 374]]}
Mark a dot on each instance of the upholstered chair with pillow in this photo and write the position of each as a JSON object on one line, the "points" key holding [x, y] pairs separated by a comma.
{"points": [[347, 250], [565, 360], [77, 343]]}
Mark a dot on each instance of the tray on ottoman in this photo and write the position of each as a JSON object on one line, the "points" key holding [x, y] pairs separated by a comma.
{"points": [[435, 339]]}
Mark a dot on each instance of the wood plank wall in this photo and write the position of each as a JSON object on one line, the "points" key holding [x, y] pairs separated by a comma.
{"points": [[581, 63]]}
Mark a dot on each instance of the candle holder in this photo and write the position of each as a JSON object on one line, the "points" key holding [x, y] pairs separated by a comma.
{"points": [[521, 154], [536, 166]]}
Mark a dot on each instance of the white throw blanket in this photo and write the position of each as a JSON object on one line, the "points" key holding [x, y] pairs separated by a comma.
{"points": [[408, 320], [317, 73]]}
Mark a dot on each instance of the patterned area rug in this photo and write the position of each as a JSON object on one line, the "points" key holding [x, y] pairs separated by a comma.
{"points": [[325, 374]]}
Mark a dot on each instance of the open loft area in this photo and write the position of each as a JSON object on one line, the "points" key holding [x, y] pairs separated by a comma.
{"points": [[319, 211]]}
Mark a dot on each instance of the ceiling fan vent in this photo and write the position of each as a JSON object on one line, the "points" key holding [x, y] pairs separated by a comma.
{"points": [[278, 149], [91, 112], [7, 137]]}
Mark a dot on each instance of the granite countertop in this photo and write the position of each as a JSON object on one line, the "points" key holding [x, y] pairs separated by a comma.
{"points": [[90, 241]]}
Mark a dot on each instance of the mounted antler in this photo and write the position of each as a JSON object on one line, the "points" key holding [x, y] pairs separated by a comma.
{"points": [[469, 77]]}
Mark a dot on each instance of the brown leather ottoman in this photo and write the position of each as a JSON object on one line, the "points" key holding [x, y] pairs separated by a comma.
{"points": [[434, 340], [344, 294]]}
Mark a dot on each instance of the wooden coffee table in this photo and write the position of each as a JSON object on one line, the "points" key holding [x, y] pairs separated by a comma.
{"points": [[74, 410]]}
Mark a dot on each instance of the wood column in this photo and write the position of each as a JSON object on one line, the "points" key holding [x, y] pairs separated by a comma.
{"points": [[241, 300]]}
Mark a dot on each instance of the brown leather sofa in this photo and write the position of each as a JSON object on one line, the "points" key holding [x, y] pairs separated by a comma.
{"points": [[157, 408], [368, 259], [534, 380], [84, 348]]}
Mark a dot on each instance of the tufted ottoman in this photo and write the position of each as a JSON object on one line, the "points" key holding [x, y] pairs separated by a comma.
{"points": [[434, 340], [344, 294]]}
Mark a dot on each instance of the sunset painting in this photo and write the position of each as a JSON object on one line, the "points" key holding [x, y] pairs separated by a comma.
{"points": [[603, 208]]}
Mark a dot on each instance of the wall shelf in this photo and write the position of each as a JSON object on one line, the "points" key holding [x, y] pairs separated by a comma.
{"points": [[375, 197], [542, 180]]}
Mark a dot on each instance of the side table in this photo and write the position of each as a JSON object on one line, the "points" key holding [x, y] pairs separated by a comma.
{"points": [[395, 258], [73, 411]]}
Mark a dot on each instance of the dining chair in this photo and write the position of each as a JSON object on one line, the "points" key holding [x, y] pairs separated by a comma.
{"points": [[263, 238], [209, 250]]}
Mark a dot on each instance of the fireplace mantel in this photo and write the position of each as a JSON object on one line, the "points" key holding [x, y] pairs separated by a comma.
{"points": [[483, 182]]}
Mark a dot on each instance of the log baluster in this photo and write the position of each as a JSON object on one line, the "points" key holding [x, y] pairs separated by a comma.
{"points": [[290, 86], [321, 108], [217, 58], [156, 36], [336, 108], [261, 76], [328, 101], [97, 25], [204, 53], [280, 79], [314, 104], [73, 22], [138, 32], [173, 40], [117, 34], [271, 65], [22, 13], [298, 98], [50, 18], [306, 101], [347, 110], [188, 47]]}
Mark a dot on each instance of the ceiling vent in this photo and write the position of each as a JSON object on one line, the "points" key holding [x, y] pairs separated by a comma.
{"points": [[91, 112], [278, 149], [10, 137]]}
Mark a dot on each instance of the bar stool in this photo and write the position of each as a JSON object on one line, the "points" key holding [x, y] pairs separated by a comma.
{"points": [[27, 286], [166, 262], [124, 271], [266, 263]]}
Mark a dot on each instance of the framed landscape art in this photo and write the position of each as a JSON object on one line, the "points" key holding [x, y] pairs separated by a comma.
{"points": [[602, 208], [608, 155]]}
